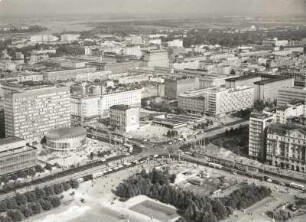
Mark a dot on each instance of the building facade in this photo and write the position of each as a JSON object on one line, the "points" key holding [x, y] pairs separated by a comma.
{"points": [[257, 134], [158, 57], [66, 139], [99, 106], [288, 94], [15, 155], [175, 86], [124, 117], [286, 147], [30, 111]]}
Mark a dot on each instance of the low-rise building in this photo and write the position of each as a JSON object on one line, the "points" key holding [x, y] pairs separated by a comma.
{"points": [[124, 117], [287, 95], [15, 155], [66, 139]]}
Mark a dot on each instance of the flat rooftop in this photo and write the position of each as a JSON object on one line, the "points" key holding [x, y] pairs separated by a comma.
{"points": [[9, 140]]}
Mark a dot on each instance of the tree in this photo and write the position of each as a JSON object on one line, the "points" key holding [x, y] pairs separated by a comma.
{"points": [[36, 208], [5, 219], [3, 206], [21, 199], [55, 201], [16, 215], [11, 204], [49, 190], [58, 188], [39, 169], [26, 211], [74, 184], [40, 193], [66, 186], [45, 204], [31, 196]]}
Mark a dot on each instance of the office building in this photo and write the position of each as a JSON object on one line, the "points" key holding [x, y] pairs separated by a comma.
{"points": [[288, 95], [175, 86], [86, 107], [286, 146], [157, 57], [267, 90], [66, 74], [124, 117], [257, 134], [32, 110], [15, 155], [43, 38]]}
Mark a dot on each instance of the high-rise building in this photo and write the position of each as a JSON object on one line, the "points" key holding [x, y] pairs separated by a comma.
{"points": [[257, 134], [30, 111], [15, 155]]}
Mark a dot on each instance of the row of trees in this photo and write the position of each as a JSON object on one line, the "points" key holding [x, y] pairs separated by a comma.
{"points": [[157, 185], [34, 202]]}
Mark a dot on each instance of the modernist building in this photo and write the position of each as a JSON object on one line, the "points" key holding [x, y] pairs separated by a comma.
{"points": [[266, 86], [175, 86], [286, 146], [216, 101], [287, 95], [15, 155], [158, 57], [85, 106], [267, 90], [257, 134], [66, 139], [30, 111], [124, 117], [66, 74]]}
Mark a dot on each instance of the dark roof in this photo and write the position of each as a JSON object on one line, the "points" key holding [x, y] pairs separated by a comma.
{"points": [[282, 129], [280, 78], [65, 132], [121, 107]]}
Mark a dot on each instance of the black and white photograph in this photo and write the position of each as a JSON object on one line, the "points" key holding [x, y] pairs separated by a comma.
{"points": [[153, 110]]}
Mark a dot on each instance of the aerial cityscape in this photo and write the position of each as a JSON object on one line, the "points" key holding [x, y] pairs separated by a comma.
{"points": [[153, 111]]}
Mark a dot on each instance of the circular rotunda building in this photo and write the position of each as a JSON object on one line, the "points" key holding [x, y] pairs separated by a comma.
{"points": [[66, 139]]}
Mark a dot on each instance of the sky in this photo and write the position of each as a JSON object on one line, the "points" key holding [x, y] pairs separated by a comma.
{"points": [[199, 7]]}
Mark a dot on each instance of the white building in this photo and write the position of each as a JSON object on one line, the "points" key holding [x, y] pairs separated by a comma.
{"points": [[70, 37], [43, 38], [216, 101], [283, 113], [132, 50], [30, 111], [175, 43], [124, 117], [257, 134], [99, 105]]}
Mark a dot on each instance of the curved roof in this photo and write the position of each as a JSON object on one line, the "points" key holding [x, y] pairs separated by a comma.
{"points": [[66, 132]]}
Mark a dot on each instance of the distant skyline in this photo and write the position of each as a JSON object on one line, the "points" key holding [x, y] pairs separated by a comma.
{"points": [[198, 7]]}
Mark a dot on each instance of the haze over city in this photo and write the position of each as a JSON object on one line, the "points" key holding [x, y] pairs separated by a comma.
{"points": [[152, 110], [197, 7]]}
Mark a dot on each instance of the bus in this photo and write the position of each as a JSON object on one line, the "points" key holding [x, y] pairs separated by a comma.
{"points": [[215, 165], [297, 186]]}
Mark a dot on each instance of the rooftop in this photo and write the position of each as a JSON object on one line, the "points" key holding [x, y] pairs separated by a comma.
{"points": [[121, 107], [282, 129], [9, 140], [65, 132]]}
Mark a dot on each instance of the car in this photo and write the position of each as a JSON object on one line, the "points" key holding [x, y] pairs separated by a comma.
{"points": [[83, 200]]}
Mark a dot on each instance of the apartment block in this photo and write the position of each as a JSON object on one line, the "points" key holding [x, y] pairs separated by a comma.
{"points": [[30, 111], [124, 117]]}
